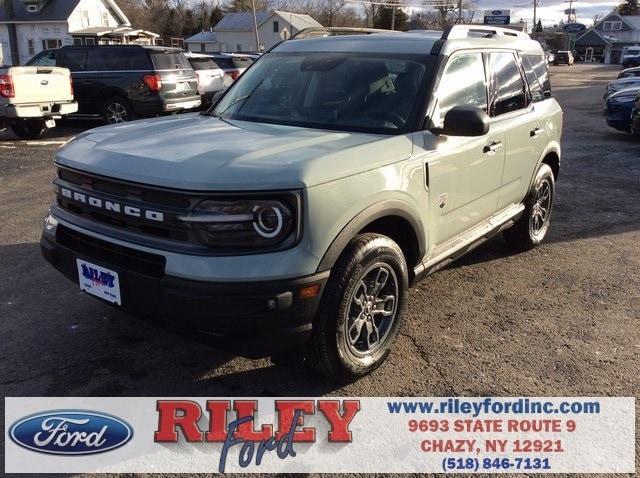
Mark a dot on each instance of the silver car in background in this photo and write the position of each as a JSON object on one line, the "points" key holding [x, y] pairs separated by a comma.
{"points": [[210, 76]]}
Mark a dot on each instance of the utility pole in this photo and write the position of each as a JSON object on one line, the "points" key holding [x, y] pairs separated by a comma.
{"points": [[255, 25], [535, 23], [459, 12], [393, 17]]}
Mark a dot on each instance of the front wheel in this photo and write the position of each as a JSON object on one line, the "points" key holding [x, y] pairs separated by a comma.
{"points": [[360, 313], [533, 225], [29, 129]]}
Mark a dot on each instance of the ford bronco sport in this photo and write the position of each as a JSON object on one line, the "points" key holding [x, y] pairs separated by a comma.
{"points": [[331, 176]]}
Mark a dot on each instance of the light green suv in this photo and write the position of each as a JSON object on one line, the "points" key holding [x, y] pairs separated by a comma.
{"points": [[334, 174]]}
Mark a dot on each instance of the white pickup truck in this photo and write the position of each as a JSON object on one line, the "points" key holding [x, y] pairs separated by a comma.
{"points": [[33, 97]]}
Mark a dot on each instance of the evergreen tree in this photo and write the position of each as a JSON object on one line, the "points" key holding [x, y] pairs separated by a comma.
{"points": [[629, 7], [384, 15]]}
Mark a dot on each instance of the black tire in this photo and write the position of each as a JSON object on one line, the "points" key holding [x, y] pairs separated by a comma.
{"points": [[117, 109], [29, 129], [366, 259], [533, 226]]}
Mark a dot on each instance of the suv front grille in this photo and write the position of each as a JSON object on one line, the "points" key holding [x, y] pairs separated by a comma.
{"points": [[167, 204], [113, 254]]}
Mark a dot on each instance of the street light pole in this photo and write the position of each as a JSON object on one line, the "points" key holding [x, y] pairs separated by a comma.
{"points": [[393, 17], [255, 25]]}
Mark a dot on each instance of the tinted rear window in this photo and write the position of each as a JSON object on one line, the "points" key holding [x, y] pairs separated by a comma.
{"points": [[535, 67], [118, 59], [224, 62], [169, 60], [241, 61], [203, 64]]}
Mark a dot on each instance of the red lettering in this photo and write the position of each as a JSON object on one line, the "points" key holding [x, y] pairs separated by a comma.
{"points": [[286, 410], [169, 420], [217, 420], [339, 423], [246, 430]]}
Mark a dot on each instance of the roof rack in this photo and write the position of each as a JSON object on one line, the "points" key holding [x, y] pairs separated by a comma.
{"points": [[481, 31], [318, 32]]}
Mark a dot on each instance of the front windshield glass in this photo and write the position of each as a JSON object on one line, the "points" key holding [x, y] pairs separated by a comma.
{"points": [[353, 92]]}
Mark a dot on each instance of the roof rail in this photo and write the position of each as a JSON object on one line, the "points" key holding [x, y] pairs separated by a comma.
{"points": [[317, 32], [481, 31]]}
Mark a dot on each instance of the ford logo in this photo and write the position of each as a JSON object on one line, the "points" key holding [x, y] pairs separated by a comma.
{"points": [[70, 432], [496, 12], [44, 82]]}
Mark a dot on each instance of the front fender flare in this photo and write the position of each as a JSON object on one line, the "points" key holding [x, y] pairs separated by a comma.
{"points": [[390, 207]]}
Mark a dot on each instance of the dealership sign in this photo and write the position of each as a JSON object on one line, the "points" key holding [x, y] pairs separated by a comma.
{"points": [[497, 17], [574, 28]]}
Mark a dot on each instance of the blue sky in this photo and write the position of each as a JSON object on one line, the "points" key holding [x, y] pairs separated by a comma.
{"points": [[550, 11]]}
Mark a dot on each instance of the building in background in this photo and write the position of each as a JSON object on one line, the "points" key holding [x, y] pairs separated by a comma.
{"points": [[30, 26], [235, 32], [606, 40]]}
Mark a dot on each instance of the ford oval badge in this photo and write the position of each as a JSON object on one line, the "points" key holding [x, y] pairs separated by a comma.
{"points": [[70, 432]]}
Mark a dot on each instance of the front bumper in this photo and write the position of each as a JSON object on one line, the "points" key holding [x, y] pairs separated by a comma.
{"points": [[238, 309], [38, 110]]}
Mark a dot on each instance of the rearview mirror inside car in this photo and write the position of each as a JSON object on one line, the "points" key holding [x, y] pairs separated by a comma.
{"points": [[465, 121]]}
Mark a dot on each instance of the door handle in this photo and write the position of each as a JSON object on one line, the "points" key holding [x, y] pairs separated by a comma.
{"points": [[536, 132], [492, 148]]}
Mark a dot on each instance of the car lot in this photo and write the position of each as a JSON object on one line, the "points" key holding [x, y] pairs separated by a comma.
{"points": [[560, 320]]}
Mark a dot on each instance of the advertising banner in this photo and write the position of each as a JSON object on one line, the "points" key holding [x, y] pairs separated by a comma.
{"points": [[268, 435]]}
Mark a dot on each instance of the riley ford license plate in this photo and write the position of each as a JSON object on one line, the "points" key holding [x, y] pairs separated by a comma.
{"points": [[98, 281]]}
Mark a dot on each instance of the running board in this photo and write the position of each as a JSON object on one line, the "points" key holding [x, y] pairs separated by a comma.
{"points": [[456, 247]]}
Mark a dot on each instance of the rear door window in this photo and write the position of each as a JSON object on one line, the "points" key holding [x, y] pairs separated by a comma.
{"points": [[75, 59], [169, 60], [535, 69], [507, 91]]}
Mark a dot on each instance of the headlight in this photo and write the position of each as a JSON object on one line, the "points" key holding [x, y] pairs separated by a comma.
{"points": [[246, 223]]}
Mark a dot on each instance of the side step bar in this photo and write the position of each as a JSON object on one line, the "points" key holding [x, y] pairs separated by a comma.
{"points": [[444, 254]]}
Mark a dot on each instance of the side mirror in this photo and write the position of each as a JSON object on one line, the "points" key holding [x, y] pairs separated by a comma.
{"points": [[465, 121]]}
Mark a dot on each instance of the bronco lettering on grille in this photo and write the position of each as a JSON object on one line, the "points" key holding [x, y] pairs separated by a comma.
{"points": [[111, 206]]}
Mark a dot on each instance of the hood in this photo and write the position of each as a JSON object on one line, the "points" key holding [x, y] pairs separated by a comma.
{"points": [[197, 152], [628, 93]]}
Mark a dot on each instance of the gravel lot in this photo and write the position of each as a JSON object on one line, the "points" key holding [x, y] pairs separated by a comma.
{"points": [[563, 319]]}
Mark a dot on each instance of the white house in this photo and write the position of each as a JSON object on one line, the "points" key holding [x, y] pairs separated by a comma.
{"points": [[606, 40], [30, 26], [235, 32]]}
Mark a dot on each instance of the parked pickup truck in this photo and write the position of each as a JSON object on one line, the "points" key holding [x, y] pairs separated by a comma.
{"points": [[32, 98]]}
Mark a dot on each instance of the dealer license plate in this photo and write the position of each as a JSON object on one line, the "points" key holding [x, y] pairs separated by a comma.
{"points": [[98, 281], [50, 123]]}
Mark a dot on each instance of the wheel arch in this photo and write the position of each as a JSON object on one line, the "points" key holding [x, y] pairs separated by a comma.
{"points": [[550, 156], [393, 218]]}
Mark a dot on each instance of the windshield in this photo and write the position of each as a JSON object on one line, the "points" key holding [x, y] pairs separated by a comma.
{"points": [[358, 92]]}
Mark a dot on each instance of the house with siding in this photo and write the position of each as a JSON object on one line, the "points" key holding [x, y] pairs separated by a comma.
{"points": [[30, 26], [235, 32], [606, 40]]}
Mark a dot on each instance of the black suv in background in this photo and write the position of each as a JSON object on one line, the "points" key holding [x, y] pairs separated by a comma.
{"points": [[121, 82]]}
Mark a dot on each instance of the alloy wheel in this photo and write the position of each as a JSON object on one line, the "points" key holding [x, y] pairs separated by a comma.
{"points": [[116, 113], [372, 309]]}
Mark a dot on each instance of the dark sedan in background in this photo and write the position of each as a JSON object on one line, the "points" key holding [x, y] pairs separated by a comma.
{"points": [[619, 108]]}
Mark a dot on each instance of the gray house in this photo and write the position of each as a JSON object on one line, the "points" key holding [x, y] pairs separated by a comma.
{"points": [[235, 32], [606, 40]]}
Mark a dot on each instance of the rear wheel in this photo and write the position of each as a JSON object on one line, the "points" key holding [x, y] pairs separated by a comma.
{"points": [[361, 309], [117, 110], [533, 225], [29, 129]]}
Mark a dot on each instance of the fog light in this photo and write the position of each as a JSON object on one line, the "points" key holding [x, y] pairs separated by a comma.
{"points": [[309, 291]]}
